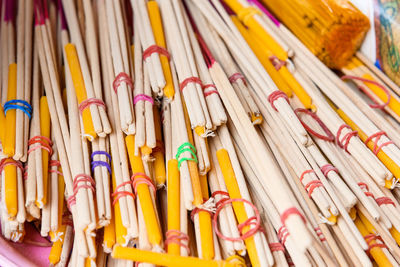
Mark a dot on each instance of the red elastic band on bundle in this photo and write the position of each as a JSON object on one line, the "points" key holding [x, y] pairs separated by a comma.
{"points": [[344, 143], [176, 237], [328, 137], [276, 62], [275, 95], [283, 234], [211, 89], [378, 136], [143, 97], [155, 49], [83, 179], [141, 178], [311, 186], [365, 187], [320, 234], [122, 77], [250, 221], [43, 143], [291, 211], [274, 247], [90, 101], [26, 172], [384, 201], [9, 161], [118, 194], [220, 202], [197, 210], [327, 168], [378, 106], [185, 82], [304, 173], [237, 76], [159, 147], [371, 237], [55, 163]]}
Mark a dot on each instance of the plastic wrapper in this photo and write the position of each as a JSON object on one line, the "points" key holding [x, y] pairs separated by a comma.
{"points": [[332, 29]]}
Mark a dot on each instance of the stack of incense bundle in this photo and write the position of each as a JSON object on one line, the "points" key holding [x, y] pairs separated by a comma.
{"points": [[188, 133]]}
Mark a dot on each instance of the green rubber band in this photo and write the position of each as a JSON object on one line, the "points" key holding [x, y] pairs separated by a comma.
{"points": [[186, 147]]}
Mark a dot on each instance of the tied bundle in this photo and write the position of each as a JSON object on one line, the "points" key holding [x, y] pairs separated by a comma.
{"points": [[333, 30]]}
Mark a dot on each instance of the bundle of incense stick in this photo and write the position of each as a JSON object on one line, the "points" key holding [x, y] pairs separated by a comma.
{"points": [[179, 133], [332, 30]]}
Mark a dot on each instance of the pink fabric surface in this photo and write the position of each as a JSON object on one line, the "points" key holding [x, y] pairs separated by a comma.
{"points": [[37, 255]]}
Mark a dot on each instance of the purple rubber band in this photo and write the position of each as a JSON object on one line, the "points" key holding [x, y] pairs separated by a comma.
{"points": [[9, 10], [266, 12], [144, 98], [100, 163], [100, 153]]}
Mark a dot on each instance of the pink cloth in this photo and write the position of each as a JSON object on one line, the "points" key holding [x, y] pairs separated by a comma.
{"points": [[25, 254]]}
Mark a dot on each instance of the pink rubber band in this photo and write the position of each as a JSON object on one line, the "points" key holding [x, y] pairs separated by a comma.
{"points": [[364, 186], [328, 137], [328, 168], [155, 49], [377, 137], [320, 234], [9, 161], [141, 178], [276, 62], [311, 186], [291, 211], [384, 201], [43, 143], [122, 77], [90, 101], [143, 97], [209, 89], [304, 173], [177, 237], [189, 80], [275, 247], [283, 234]]}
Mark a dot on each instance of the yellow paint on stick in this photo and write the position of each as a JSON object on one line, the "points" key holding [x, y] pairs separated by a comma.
{"points": [[9, 135]]}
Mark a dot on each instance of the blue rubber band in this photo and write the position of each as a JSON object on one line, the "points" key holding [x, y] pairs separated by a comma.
{"points": [[18, 104], [101, 153]]}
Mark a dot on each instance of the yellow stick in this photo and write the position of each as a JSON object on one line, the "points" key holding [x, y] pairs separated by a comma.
{"points": [[395, 234], [204, 186], [246, 16], [163, 259], [156, 24], [56, 249], [259, 50], [120, 230], [2, 124], [79, 85], [376, 252], [61, 189], [159, 163], [238, 207], [385, 159], [143, 193], [11, 190], [109, 235], [173, 200], [9, 138], [44, 131]]}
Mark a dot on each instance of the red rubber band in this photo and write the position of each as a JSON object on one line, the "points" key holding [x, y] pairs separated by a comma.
{"points": [[237, 76], [26, 172], [344, 142], [311, 186], [378, 106], [55, 163], [80, 181], [328, 137], [118, 194], [176, 237], [283, 234], [276, 62], [274, 247], [377, 137], [9, 161], [209, 89], [304, 173], [122, 77], [328, 168], [291, 211], [90, 101], [223, 193], [275, 95], [384, 200], [141, 178], [372, 237], [185, 82], [320, 234], [197, 210], [364, 186], [248, 222], [43, 143], [155, 49]]}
